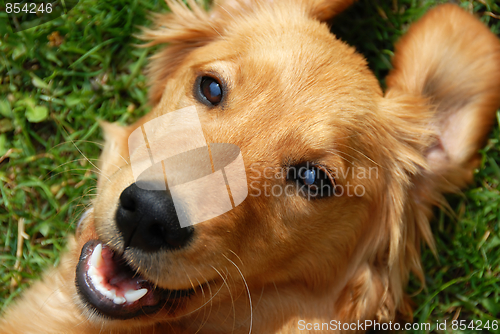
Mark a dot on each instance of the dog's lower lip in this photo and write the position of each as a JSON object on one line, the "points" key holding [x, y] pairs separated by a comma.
{"points": [[141, 297]]}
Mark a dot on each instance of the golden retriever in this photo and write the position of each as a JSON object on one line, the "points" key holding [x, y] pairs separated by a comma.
{"points": [[341, 177]]}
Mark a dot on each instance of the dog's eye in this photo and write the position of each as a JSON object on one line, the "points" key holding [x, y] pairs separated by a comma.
{"points": [[210, 91], [314, 181]]}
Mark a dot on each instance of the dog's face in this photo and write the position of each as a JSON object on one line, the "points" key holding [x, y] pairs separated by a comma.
{"points": [[329, 165], [301, 105]]}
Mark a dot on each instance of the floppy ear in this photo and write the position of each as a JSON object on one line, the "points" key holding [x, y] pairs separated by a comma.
{"points": [[326, 9], [453, 61], [184, 29], [441, 100]]}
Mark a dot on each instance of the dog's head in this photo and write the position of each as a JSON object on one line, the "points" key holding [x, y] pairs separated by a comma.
{"points": [[340, 176]]}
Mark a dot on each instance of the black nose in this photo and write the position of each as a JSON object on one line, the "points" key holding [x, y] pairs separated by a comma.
{"points": [[148, 221]]}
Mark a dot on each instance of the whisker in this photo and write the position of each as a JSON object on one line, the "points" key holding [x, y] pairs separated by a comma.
{"points": [[246, 286], [213, 296], [93, 165], [230, 296], [78, 141], [206, 316], [236, 256], [189, 278], [65, 163], [78, 169], [281, 303]]}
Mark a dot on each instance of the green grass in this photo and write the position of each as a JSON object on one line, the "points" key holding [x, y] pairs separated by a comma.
{"points": [[50, 97], [94, 74]]}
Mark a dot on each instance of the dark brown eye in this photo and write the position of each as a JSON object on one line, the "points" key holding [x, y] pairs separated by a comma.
{"points": [[210, 91]]}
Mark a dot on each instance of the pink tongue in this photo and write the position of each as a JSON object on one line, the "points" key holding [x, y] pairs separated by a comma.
{"points": [[123, 283], [117, 276]]}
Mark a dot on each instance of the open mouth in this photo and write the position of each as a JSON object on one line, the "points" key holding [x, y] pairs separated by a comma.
{"points": [[111, 287]]}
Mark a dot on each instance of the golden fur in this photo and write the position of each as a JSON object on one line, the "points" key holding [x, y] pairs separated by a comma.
{"points": [[296, 93]]}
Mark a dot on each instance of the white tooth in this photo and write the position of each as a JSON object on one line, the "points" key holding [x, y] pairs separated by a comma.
{"points": [[93, 272], [99, 287], [103, 290], [110, 294], [96, 259], [119, 300], [95, 277], [133, 295]]}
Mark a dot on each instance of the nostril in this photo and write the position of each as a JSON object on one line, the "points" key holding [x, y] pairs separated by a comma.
{"points": [[127, 200], [156, 230], [178, 238]]}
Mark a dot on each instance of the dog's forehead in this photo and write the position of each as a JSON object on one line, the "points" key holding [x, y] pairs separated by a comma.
{"points": [[302, 52], [292, 66], [295, 86]]}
